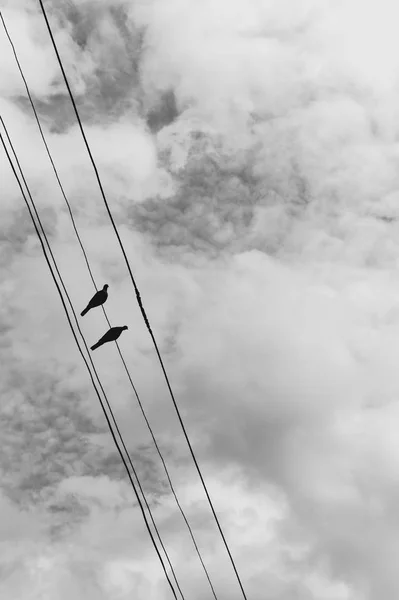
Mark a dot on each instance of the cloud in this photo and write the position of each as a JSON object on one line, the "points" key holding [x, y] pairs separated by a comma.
{"points": [[249, 154]]}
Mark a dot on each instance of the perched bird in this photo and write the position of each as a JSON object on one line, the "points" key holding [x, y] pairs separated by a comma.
{"points": [[98, 299], [111, 336]]}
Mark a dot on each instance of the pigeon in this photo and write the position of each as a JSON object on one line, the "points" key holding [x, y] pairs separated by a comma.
{"points": [[98, 299], [111, 336]]}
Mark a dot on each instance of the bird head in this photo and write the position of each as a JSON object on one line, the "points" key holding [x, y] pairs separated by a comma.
{"points": [[105, 286], [125, 327]]}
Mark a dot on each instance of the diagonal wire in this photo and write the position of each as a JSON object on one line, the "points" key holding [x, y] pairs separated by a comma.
{"points": [[104, 311], [139, 301], [92, 364]]}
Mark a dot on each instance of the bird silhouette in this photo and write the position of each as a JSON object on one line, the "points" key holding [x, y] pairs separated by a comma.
{"points": [[98, 299], [111, 336]]}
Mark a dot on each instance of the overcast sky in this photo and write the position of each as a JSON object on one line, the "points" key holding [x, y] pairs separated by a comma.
{"points": [[249, 150]]}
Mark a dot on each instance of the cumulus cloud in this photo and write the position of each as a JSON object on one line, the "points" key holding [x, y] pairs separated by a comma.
{"points": [[249, 154]]}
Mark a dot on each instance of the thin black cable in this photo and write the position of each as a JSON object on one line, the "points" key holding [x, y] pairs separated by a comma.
{"points": [[91, 361], [46, 146], [138, 297], [170, 482], [104, 311], [92, 379]]}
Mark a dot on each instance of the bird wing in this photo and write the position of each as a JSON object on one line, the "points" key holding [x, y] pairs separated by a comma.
{"points": [[97, 299], [110, 335], [115, 332]]}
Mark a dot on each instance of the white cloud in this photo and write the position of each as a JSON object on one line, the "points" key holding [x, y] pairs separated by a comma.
{"points": [[23, 27], [280, 165]]}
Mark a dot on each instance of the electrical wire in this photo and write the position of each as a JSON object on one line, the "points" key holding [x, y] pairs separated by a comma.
{"points": [[138, 298], [87, 366], [104, 311]]}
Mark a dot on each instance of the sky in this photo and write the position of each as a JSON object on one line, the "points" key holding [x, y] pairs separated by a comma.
{"points": [[249, 151]]}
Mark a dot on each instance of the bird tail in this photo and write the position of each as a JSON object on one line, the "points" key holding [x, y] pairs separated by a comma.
{"points": [[95, 346], [86, 310]]}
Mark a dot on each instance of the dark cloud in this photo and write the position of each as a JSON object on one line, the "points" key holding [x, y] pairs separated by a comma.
{"points": [[106, 41], [19, 232], [49, 436], [45, 434], [164, 113], [18, 228], [217, 202]]}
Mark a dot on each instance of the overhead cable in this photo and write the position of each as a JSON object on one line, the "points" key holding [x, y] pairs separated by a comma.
{"points": [[138, 298], [104, 311], [88, 368]]}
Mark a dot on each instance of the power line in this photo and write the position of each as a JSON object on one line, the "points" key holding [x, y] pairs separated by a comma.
{"points": [[88, 368], [104, 311], [95, 371], [138, 297]]}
